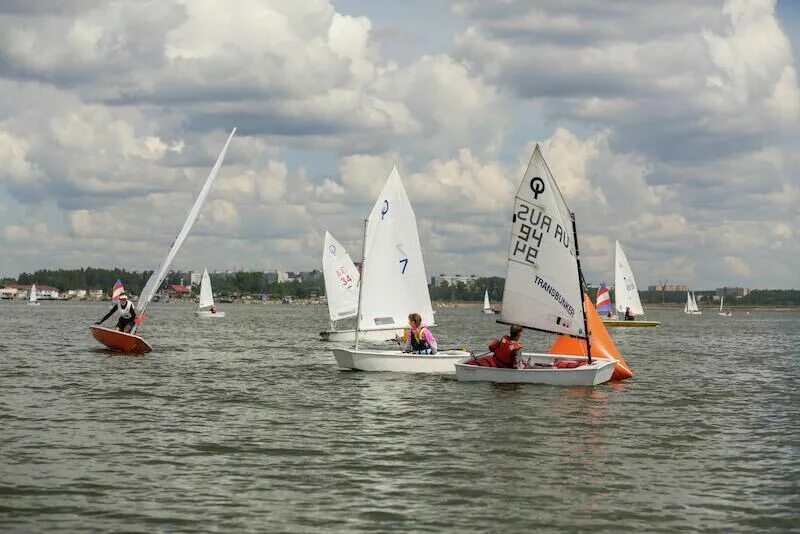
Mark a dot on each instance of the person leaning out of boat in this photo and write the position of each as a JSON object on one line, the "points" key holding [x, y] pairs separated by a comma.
{"points": [[507, 349], [418, 338], [628, 314], [127, 314]]}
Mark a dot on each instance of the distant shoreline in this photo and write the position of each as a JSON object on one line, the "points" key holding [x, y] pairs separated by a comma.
{"points": [[676, 306]]}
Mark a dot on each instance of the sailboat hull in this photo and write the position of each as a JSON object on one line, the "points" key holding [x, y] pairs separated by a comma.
{"points": [[120, 341], [598, 372], [395, 361], [206, 313], [616, 323], [376, 336]]}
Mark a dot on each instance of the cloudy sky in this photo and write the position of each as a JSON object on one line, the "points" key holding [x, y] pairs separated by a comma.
{"points": [[671, 126]]}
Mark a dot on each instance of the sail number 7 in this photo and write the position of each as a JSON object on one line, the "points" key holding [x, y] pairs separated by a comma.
{"points": [[404, 261]]}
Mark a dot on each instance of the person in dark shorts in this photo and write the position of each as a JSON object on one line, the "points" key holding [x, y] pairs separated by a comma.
{"points": [[127, 314]]}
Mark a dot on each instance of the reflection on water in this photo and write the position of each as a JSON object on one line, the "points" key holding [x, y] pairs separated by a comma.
{"points": [[245, 423]]}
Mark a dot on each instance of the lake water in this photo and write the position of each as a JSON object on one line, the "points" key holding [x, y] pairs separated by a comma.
{"points": [[245, 424]]}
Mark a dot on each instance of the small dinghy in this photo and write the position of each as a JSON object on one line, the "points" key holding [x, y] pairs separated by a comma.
{"points": [[720, 312], [393, 285], [543, 292], [626, 294], [32, 300], [487, 308], [205, 307], [691, 305], [131, 343]]}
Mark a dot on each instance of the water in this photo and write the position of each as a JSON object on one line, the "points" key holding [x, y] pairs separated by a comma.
{"points": [[245, 424]]}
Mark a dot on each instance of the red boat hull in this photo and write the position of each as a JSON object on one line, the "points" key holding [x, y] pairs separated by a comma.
{"points": [[116, 340]]}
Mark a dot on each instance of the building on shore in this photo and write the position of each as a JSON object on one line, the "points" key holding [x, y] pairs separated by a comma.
{"points": [[453, 279], [735, 292], [21, 291], [669, 287]]}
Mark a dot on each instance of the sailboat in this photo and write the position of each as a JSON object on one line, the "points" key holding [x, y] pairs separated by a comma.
{"points": [[32, 300], [341, 287], [543, 291], [720, 312], [691, 305], [205, 307], [626, 293], [132, 343], [487, 308], [393, 285]]}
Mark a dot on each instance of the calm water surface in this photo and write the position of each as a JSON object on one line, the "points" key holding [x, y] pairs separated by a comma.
{"points": [[245, 424]]}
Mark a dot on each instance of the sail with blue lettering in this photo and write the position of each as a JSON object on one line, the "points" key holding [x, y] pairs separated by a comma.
{"points": [[626, 294], [393, 279], [542, 289]]}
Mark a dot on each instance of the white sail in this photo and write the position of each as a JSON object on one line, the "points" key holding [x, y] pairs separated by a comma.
{"points": [[486, 305], [206, 295], [688, 306], [694, 303], [721, 301], [158, 275], [542, 289], [32, 296], [625, 292], [393, 282], [341, 280]]}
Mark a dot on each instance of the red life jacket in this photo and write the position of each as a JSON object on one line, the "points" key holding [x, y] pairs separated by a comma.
{"points": [[505, 351]]}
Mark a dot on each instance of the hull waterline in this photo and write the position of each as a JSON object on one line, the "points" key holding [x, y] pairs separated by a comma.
{"points": [[396, 361]]}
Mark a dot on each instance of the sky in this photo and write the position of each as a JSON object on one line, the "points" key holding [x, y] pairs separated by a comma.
{"points": [[673, 127]]}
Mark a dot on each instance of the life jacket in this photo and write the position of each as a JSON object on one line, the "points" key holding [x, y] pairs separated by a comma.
{"points": [[504, 350], [125, 312], [418, 341]]}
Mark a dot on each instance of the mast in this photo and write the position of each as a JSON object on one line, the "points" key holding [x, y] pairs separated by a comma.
{"points": [[580, 285], [361, 279]]}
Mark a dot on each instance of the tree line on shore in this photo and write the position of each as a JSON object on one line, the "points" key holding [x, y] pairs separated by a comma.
{"points": [[258, 283]]}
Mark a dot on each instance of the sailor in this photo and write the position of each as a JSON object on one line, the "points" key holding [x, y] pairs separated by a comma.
{"points": [[127, 314], [507, 350], [418, 338], [628, 314], [213, 309]]}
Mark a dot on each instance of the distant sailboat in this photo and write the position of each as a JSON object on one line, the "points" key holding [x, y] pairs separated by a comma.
{"points": [[206, 306], [131, 343], [626, 294], [722, 313], [32, 300], [691, 305], [487, 308]]}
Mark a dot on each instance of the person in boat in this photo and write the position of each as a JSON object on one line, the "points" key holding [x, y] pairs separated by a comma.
{"points": [[418, 338], [127, 314], [628, 314], [507, 350], [608, 314], [213, 309]]}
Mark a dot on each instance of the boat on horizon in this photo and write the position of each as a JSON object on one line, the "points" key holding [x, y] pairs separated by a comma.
{"points": [[205, 305], [626, 295]]}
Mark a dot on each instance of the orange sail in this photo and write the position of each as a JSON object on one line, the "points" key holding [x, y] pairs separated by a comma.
{"points": [[602, 345]]}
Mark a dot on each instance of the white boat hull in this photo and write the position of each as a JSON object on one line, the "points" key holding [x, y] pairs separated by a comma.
{"points": [[723, 314], [206, 313], [488, 311], [349, 336], [598, 372], [33, 303], [396, 361]]}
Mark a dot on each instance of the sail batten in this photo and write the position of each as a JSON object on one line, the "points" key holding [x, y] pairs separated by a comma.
{"points": [[542, 290]]}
